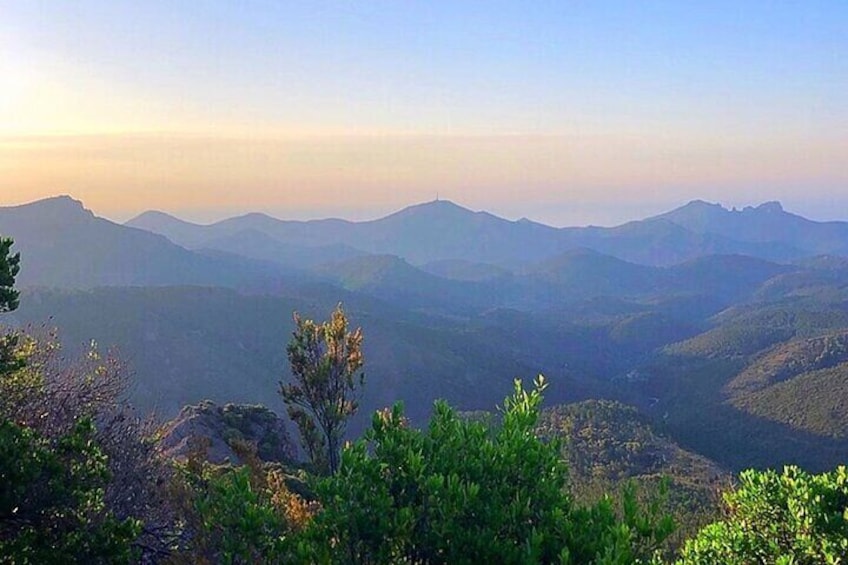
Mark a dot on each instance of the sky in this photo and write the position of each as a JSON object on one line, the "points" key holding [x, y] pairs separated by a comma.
{"points": [[567, 112]]}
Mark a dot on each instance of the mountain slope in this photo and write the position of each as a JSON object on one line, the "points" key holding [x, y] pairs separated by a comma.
{"points": [[422, 233], [392, 279], [186, 344], [606, 444], [766, 223], [255, 244], [813, 401], [584, 272], [66, 246], [181, 232]]}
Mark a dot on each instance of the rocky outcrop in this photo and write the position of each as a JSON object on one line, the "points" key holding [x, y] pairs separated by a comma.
{"points": [[223, 427]]}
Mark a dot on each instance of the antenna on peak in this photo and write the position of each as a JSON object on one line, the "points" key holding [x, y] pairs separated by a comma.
{"points": [[437, 196]]}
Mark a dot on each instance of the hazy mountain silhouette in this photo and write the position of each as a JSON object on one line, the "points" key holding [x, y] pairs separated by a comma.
{"points": [[256, 244], [442, 231], [392, 279], [462, 270], [422, 233], [663, 313], [584, 272], [767, 223], [64, 245]]}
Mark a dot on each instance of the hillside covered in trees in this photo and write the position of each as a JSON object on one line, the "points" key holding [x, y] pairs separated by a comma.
{"points": [[664, 381]]}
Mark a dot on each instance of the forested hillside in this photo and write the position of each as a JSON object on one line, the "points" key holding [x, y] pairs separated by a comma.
{"points": [[739, 378], [688, 343]]}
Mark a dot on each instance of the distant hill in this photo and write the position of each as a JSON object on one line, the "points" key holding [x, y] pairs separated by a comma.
{"points": [[814, 401], [64, 245], [462, 270], [442, 231], [765, 383], [423, 233], [730, 276], [255, 244], [767, 223], [607, 443], [391, 278], [584, 272], [802, 383], [179, 231], [731, 353], [187, 344], [791, 359]]}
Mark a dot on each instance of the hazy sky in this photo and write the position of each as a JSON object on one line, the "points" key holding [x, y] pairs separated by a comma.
{"points": [[567, 112]]}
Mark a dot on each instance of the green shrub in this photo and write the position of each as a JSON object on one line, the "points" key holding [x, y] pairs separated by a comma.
{"points": [[788, 518], [464, 492], [51, 500]]}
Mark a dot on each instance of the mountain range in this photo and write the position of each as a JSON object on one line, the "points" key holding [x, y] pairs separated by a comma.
{"points": [[439, 237], [443, 231], [725, 328], [66, 246]]}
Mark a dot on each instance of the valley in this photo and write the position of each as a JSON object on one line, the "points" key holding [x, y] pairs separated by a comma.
{"points": [[728, 338]]}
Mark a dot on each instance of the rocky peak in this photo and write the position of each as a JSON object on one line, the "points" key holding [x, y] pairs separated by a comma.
{"points": [[222, 426]]}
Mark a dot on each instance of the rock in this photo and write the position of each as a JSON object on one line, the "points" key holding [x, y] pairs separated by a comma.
{"points": [[224, 425]]}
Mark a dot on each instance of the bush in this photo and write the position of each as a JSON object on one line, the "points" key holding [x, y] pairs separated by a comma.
{"points": [[792, 517], [52, 500], [234, 515], [462, 492]]}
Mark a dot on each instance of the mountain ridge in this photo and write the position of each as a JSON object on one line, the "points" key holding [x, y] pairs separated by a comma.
{"points": [[65, 245], [441, 230], [668, 337]]}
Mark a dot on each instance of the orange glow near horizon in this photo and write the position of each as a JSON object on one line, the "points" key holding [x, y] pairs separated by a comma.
{"points": [[121, 175], [304, 109]]}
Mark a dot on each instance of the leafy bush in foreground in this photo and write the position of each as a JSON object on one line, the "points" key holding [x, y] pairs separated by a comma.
{"points": [[462, 492], [788, 518], [52, 506]]}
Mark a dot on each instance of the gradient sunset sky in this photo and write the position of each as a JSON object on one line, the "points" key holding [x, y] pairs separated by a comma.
{"points": [[568, 112]]}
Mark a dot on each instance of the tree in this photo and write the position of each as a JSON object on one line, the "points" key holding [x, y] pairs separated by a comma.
{"points": [[9, 267], [52, 506], [785, 518], [325, 361]]}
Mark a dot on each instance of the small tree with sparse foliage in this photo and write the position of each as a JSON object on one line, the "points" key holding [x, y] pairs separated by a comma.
{"points": [[325, 359]]}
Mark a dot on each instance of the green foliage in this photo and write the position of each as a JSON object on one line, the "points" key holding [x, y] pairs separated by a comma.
{"points": [[609, 446], [68, 492], [800, 383], [244, 526], [10, 360], [787, 518], [238, 515], [9, 267], [325, 361], [813, 402], [732, 340], [462, 492], [51, 500], [792, 359], [15, 350]]}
